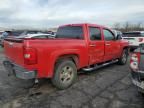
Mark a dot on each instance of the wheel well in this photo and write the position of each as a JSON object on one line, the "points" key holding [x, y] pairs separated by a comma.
{"points": [[73, 57], [127, 48]]}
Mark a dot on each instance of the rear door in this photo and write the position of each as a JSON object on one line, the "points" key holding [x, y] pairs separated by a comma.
{"points": [[96, 45]]}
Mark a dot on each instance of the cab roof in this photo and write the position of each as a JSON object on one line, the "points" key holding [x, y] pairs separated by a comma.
{"points": [[80, 24]]}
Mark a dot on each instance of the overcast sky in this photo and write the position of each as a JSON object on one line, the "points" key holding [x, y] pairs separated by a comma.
{"points": [[51, 13]]}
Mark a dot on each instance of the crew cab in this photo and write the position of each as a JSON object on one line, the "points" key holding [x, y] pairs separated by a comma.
{"points": [[75, 47], [137, 67]]}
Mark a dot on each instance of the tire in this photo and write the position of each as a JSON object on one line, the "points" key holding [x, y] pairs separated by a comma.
{"points": [[124, 57], [65, 74]]}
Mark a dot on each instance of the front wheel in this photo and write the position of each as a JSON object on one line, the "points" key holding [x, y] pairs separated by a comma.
{"points": [[123, 58], [65, 74]]}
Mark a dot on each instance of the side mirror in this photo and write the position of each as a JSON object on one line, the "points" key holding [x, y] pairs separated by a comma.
{"points": [[118, 37]]}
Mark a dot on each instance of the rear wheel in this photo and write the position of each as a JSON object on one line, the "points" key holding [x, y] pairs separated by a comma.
{"points": [[65, 74], [123, 58]]}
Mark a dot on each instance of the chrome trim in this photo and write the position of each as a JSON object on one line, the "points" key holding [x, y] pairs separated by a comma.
{"points": [[100, 66], [140, 72], [139, 84]]}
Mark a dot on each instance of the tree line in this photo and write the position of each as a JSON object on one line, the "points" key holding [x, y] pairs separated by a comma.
{"points": [[126, 27]]}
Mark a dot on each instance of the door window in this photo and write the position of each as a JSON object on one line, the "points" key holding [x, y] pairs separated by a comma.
{"points": [[108, 35], [72, 32], [95, 33]]}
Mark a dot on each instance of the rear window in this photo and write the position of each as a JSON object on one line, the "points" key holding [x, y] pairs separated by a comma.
{"points": [[133, 34], [72, 32]]}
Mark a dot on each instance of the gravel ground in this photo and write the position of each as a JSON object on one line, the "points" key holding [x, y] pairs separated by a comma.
{"points": [[109, 87]]}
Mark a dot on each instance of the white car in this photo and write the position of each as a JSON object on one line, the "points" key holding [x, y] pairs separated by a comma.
{"points": [[135, 38], [39, 35]]}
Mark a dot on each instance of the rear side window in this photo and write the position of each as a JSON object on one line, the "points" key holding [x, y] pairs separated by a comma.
{"points": [[72, 32], [108, 35], [95, 33], [133, 34]]}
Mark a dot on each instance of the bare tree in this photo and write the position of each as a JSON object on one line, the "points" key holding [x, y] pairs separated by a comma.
{"points": [[126, 26], [117, 26], [129, 27]]}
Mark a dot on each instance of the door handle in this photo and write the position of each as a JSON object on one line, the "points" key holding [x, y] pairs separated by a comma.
{"points": [[107, 44], [92, 45]]}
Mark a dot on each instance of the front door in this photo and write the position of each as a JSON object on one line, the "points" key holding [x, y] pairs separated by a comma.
{"points": [[96, 45], [112, 46]]}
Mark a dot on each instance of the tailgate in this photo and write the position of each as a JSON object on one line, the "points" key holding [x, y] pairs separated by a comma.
{"points": [[14, 50]]}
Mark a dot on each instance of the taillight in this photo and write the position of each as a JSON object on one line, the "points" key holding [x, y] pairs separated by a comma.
{"points": [[134, 57], [140, 39], [30, 56], [134, 61]]}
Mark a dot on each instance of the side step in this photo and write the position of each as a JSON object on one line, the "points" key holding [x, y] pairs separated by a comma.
{"points": [[99, 66]]}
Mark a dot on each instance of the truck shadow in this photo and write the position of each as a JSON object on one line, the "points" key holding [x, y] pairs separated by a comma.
{"points": [[45, 86]]}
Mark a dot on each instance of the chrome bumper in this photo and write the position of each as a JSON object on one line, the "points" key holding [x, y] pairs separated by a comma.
{"points": [[138, 84], [18, 71]]}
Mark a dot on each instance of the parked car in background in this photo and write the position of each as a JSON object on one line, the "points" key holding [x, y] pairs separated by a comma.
{"points": [[75, 47], [135, 38], [1, 33], [39, 35], [1, 37], [26, 32], [23, 33], [6, 34], [137, 67]]}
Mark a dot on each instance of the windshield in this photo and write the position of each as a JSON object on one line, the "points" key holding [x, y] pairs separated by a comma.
{"points": [[73, 32], [133, 34]]}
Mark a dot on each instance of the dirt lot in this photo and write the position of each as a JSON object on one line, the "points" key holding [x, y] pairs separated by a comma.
{"points": [[109, 87]]}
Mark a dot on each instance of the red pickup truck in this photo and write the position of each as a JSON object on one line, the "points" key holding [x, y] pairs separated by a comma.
{"points": [[76, 46]]}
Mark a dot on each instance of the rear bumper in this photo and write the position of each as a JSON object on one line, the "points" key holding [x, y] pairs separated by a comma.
{"points": [[138, 79], [18, 71]]}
